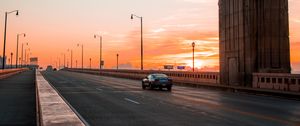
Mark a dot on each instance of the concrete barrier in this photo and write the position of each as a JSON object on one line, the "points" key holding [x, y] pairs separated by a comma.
{"points": [[9, 72], [211, 78], [277, 81], [53, 110]]}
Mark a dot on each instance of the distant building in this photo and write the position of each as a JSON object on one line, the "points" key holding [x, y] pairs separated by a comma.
{"points": [[34, 62], [1, 61], [254, 38]]}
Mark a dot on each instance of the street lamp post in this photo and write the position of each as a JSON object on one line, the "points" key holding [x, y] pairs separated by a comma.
{"points": [[117, 61], [19, 60], [76, 63], [17, 52], [71, 58], [8, 62], [100, 37], [56, 64], [4, 43], [142, 50], [64, 60], [81, 55], [25, 57], [59, 62], [90, 63], [28, 53], [11, 61], [193, 45], [22, 60]]}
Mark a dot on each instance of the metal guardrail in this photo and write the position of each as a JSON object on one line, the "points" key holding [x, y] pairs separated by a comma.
{"points": [[212, 78], [9, 72]]}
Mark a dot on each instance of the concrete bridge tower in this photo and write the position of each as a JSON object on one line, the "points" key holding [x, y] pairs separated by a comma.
{"points": [[254, 38]]}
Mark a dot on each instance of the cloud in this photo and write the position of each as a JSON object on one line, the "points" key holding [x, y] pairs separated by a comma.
{"points": [[295, 20], [158, 30], [198, 1]]}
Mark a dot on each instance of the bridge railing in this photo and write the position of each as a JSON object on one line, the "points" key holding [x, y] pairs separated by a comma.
{"points": [[8, 72], [177, 76], [276, 81]]}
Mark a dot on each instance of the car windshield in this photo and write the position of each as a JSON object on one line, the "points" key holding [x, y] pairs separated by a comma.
{"points": [[160, 76]]}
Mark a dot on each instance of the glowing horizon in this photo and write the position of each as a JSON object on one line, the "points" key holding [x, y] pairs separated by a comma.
{"points": [[170, 26]]}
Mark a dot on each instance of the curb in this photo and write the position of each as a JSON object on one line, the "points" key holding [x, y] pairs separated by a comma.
{"points": [[52, 108]]}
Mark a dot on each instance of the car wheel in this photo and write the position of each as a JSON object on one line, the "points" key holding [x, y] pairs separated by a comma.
{"points": [[151, 86], [144, 87], [169, 88], [160, 88]]}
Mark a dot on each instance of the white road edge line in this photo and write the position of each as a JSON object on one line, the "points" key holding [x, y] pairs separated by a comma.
{"points": [[135, 102], [99, 89]]}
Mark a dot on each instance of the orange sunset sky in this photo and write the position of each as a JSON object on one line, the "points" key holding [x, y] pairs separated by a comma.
{"points": [[170, 26]]}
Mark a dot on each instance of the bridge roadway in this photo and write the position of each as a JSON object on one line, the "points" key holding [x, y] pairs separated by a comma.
{"points": [[17, 100], [108, 101]]}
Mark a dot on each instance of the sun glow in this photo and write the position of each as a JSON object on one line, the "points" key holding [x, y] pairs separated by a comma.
{"points": [[198, 63]]}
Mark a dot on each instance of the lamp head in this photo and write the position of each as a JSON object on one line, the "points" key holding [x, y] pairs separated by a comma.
{"points": [[95, 36], [17, 13], [131, 16], [193, 44], [24, 35]]}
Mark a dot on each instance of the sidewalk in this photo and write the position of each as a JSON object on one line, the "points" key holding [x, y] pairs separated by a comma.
{"points": [[17, 97]]}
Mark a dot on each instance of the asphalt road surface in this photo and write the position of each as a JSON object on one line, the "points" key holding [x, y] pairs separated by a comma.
{"points": [[107, 101], [17, 100]]}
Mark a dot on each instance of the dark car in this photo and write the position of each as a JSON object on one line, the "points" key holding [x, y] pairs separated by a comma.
{"points": [[157, 81], [49, 68]]}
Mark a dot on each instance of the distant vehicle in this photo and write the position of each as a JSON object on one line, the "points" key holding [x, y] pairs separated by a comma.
{"points": [[41, 67], [157, 81], [49, 68], [54, 69]]}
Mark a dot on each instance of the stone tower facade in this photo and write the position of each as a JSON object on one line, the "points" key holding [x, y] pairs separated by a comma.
{"points": [[254, 38]]}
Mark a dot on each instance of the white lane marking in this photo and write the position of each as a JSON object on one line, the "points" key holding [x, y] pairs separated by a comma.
{"points": [[99, 89], [135, 102]]}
